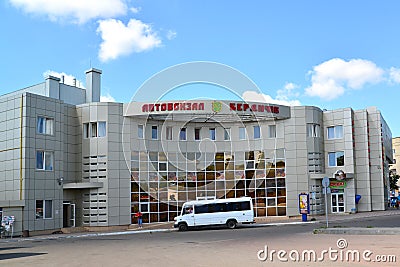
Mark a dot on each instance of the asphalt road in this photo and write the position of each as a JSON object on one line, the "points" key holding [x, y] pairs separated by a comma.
{"points": [[208, 247]]}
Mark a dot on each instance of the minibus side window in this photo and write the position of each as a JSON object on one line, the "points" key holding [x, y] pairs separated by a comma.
{"points": [[245, 205], [201, 209], [220, 207], [211, 208]]}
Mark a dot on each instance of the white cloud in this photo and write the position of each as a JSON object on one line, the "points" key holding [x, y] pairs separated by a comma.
{"points": [[119, 40], [68, 79], [287, 92], [332, 78], [171, 34], [107, 98], [134, 10], [394, 75], [253, 96], [76, 11]]}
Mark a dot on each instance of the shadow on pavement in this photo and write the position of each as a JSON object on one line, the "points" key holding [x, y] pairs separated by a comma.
{"points": [[7, 256]]}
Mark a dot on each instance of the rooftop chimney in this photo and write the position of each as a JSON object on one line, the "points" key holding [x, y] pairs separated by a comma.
{"points": [[93, 79]]}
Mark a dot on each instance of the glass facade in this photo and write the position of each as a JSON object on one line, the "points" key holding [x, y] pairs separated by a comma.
{"points": [[162, 182]]}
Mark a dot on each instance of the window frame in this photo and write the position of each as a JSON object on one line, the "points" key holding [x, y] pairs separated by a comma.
{"points": [[335, 132], [101, 129], [242, 133], [44, 159], [227, 134], [140, 131], [337, 155], [86, 131], [212, 133], [45, 127], [258, 136], [43, 214], [168, 133], [154, 130], [95, 129], [272, 131], [313, 130], [197, 134], [182, 134]]}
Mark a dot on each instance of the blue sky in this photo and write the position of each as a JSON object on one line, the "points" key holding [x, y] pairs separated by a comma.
{"points": [[330, 54]]}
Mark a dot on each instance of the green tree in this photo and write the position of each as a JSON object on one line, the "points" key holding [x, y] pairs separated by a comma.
{"points": [[393, 181]]}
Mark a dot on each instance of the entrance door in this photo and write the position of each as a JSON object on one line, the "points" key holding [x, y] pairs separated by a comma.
{"points": [[72, 217], [337, 202], [68, 215]]}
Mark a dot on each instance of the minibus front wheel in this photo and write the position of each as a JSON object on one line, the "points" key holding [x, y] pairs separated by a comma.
{"points": [[183, 227]]}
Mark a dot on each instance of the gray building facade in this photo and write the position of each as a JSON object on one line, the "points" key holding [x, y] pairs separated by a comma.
{"points": [[68, 160]]}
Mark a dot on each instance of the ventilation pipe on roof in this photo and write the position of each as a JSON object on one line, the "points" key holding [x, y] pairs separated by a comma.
{"points": [[93, 81]]}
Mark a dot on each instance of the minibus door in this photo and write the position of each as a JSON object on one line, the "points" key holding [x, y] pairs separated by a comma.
{"points": [[188, 215]]}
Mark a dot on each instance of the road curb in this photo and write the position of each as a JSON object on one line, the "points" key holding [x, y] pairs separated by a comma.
{"points": [[358, 231]]}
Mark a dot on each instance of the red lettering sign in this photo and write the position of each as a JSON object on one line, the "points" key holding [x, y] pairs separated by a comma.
{"points": [[253, 108], [172, 106]]}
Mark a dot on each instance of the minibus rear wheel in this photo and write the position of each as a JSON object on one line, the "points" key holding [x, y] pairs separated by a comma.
{"points": [[231, 224]]}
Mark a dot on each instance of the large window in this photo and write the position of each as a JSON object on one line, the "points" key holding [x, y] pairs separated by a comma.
{"points": [[154, 132], [212, 133], [227, 134], [335, 132], [44, 209], [178, 177], [44, 160], [182, 134], [313, 130], [45, 125], [140, 131], [257, 132], [242, 133], [336, 159], [94, 129]]}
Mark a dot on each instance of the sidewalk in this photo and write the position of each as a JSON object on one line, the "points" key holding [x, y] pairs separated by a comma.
{"points": [[260, 222]]}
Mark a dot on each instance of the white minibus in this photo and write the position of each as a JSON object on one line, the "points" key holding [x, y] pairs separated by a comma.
{"points": [[229, 212]]}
